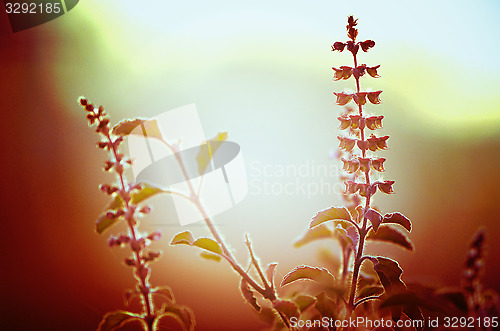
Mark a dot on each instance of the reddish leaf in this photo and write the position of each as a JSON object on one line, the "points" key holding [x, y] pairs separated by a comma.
{"points": [[389, 234], [304, 301], [165, 292], [248, 294], [271, 272], [288, 308], [320, 275], [353, 235], [415, 314], [375, 218], [369, 291], [129, 295], [185, 314], [398, 218], [330, 214], [325, 306], [174, 322], [127, 127], [389, 274], [316, 233], [456, 298], [115, 319]]}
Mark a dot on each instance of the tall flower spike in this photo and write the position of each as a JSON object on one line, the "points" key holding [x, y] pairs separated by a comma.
{"points": [[360, 146]]}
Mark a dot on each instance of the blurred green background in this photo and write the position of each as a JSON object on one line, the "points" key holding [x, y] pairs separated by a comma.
{"points": [[262, 72]]}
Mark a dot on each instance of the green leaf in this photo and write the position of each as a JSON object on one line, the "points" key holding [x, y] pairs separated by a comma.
{"points": [[288, 308], [208, 150], [126, 127], [104, 222], [375, 218], [330, 214], [185, 238], [304, 301], [116, 202], [398, 218], [210, 256], [209, 245], [248, 294], [316, 233], [115, 319], [389, 273], [320, 275], [146, 191], [389, 234], [165, 292]]}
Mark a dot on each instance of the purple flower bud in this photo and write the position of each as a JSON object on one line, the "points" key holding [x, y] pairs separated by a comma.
{"points": [[155, 236]]}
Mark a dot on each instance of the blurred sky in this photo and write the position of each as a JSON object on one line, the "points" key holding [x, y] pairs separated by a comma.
{"points": [[262, 72]]}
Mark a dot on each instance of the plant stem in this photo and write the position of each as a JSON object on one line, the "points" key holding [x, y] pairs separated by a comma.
{"points": [[363, 230], [145, 289], [266, 292]]}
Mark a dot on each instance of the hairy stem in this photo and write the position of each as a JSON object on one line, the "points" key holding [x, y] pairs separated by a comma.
{"points": [[140, 264], [363, 230], [265, 291]]}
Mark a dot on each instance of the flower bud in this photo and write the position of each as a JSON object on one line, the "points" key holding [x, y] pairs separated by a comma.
{"points": [[374, 122], [350, 166], [386, 186], [338, 46], [142, 272], [374, 97], [346, 143], [119, 168], [355, 121], [113, 241], [378, 164], [342, 98], [372, 71], [366, 45], [344, 123], [91, 118], [364, 164], [360, 98], [155, 236], [102, 144], [145, 210], [351, 187], [137, 245], [130, 262]]}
